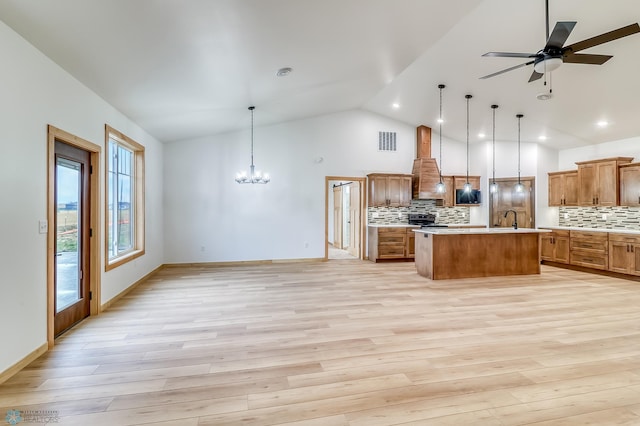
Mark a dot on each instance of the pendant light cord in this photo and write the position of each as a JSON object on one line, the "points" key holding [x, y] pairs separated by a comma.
{"points": [[494, 107], [519, 117], [467, 97], [440, 86], [251, 108]]}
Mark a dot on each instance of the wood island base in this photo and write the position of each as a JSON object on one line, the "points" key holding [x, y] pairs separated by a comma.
{"points": [[447, 255]]}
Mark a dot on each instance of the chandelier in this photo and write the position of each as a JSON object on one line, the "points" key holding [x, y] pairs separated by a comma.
{"points": [[253, 177]]}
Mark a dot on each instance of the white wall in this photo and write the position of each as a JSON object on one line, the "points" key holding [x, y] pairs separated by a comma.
{"points": [[621, 148], [37, 92], [211, 218]]}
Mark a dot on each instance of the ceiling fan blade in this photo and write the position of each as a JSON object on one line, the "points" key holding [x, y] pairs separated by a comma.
{"points": [[582, 58], [510, 55], [559, 35], [506, 70], [603, 38], [535, 76]]}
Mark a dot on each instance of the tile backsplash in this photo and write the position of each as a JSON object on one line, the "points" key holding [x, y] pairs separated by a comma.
{"points": [[600, 217], [400, 215]]}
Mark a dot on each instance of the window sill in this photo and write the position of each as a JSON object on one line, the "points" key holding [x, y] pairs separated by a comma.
{"points": [[121, 260]]}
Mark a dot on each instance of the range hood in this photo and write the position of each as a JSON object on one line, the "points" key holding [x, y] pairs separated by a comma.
{"points": [[425, 169]]}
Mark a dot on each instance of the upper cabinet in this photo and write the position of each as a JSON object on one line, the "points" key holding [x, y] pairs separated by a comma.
{"points": [[630, 185], [389, 190], [598, 181], [563, 188]]}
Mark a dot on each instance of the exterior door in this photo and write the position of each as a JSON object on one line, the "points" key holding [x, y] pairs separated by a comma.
{"points": [[72, 218]]}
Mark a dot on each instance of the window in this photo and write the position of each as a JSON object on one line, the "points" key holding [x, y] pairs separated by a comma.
{"points": [[125, 199]]}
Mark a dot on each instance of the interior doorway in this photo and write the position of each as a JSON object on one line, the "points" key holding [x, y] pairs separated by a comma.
{"points": [[344, 217], [73, 261], [508, 198]]}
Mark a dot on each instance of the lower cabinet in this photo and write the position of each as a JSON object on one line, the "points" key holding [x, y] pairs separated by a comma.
{"points": [[554, 246], [391, 243], [624, 254], [410, 250], [610, 251], [589, 249]]}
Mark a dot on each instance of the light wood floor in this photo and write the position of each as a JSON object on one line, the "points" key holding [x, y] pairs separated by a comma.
{"points": [[347, 343]]}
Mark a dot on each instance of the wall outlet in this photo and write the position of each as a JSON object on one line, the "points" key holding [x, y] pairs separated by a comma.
{"points": [[306, 244], [43, 226], [604, 216], [375, 214]]}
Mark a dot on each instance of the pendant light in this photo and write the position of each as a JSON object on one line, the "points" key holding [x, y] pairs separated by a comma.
{"points": [[440, 187], [254, 177], [467, 186], [493, 188], [519, 186]]}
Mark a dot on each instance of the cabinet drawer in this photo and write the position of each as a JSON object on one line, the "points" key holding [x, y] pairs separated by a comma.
{"points": [[589, 259], [391, 251], [589, 245], [392, 230], [386, 240], [625, 238], [558, 233], [591, 236]]}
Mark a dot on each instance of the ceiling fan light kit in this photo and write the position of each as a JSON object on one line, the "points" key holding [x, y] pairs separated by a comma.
{"points": [[555, 53]]}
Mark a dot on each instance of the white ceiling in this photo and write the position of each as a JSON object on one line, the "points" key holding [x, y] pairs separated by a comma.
{"points": [[184, 69]]}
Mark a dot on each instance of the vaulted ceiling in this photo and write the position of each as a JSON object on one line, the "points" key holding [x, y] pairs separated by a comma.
{"points": [[184, 69]]}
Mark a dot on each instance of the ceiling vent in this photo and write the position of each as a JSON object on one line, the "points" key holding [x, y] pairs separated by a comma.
{"points": [[387, 141]]}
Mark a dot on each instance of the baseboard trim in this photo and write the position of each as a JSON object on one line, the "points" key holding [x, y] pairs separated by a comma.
{"points": [[244, 262], [18, 366], [105, 306]]}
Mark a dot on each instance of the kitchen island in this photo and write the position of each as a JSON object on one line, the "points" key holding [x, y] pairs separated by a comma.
{"points": [[442, 253]]}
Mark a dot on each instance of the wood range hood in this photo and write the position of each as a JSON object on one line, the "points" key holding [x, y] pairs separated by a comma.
{"points": [[426, 173]]}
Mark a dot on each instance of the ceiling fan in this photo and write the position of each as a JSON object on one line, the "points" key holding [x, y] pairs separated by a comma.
{"points": [[555, 53]]}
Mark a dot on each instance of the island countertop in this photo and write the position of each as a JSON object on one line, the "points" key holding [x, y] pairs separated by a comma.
{"points": [[467, 231]]}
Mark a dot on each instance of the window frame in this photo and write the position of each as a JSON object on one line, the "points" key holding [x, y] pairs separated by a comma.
{"points": [[138, 188]]}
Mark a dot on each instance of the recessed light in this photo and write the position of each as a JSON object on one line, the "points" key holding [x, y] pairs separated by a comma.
{"points": [[481, 135], [395, 105], [542, 137], [602, 123], [440, 120], [283, 72]]}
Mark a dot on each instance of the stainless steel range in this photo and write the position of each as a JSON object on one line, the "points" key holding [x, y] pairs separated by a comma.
{"points": [[425, 220]]}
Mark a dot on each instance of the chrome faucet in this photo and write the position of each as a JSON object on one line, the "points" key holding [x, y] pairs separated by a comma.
{"points": [[515, 218]]}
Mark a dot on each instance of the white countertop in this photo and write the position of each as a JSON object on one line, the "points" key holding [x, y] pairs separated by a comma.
{"points": [[406, 225], [462, 231], [392, 225], [575, 228]]}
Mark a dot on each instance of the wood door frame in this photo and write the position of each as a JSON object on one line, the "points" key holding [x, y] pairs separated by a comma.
{"points": [[362, 181], [94, 150], [531, 179]]}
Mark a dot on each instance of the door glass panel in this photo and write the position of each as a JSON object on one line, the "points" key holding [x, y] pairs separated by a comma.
{"points": [[68, 214]]}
